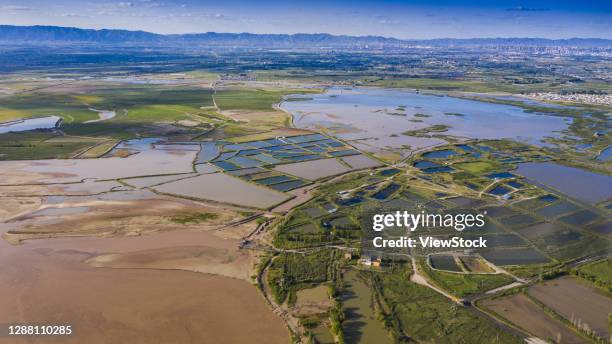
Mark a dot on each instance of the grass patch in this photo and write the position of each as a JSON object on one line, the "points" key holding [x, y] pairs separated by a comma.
{"points": [[436, 128], [478, 167], [11, 114], [443, 84], [194, 218], [598, 273], [291, 272], [34, 145], [427, 317], [253, 99], [465, 284]]}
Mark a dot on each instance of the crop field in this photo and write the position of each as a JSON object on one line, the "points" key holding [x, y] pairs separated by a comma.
{"points": [[138, 110], [253, 99], [582, 305], [290, 273], [35, 145], [521, 311], [466, 284], [599, 273], [427, 316]]}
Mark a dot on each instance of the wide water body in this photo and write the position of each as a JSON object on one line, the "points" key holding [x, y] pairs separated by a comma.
{"points": [[375, 118]]}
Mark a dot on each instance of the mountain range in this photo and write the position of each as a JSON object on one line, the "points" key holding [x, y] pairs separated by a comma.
{"points": [[41, 35]]}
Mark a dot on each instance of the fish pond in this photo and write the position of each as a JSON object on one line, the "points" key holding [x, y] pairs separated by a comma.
{"points": [[587, 186], [361, 324]]}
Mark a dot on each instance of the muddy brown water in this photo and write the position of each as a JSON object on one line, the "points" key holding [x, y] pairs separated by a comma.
{"points": [[46, 282]]}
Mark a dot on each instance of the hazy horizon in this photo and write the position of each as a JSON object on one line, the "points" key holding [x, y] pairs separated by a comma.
{"points": [[397, 19]]}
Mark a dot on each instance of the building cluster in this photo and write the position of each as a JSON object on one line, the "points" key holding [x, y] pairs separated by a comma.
{"points": [[601, 99]]}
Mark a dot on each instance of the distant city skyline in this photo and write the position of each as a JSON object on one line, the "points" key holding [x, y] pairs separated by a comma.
{"points": [[400, 19]]}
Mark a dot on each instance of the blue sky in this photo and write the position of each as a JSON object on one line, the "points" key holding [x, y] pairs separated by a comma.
{"points": [[402, 19]]}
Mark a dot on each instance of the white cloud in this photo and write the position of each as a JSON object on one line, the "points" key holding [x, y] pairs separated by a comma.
{"points": [[16, 8], [75, 15]]}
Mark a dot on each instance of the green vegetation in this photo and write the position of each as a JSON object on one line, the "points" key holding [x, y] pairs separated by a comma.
{"points": [[289, 273], [141, 111], [528, 271], [253, 99], [440, 84], [478, 167], [336, 317], [11, 114], [37, 145], [426, 316], [599, 273], [194, 218], [465, 284], [436, 128]]}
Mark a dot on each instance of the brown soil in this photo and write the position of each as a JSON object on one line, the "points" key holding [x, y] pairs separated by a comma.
{"points": [[115, 217], [119, 280], [518, 309], [576, 301], [312, 301], [129, 306]]}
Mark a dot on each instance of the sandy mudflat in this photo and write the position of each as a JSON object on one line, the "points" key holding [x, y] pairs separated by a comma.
{"points": [[141, 278], [46, 281], [136, 306]]}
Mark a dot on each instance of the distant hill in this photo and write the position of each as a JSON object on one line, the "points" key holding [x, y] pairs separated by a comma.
{"points": [[63, 35], [57, 34]]}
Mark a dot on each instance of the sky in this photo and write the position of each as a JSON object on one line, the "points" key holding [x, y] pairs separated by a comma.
{"points": [[401, 19]]}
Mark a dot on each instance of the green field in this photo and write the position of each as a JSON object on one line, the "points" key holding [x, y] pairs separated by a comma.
{"points": [[290, 272], [253, 99], [36, 145], [599, 273], [428, 317], [140, 112], [465, 284], [478, 167]]}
